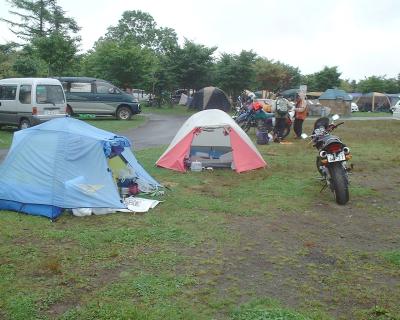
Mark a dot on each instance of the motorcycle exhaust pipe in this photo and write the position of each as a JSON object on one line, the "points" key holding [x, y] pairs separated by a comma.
{"points": [[346, 150], [322, 154]]}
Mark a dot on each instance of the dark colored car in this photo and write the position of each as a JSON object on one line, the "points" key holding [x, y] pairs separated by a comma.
{"points": [[98, 97]]}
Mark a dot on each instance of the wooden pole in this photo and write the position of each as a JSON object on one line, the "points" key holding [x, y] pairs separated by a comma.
{"points": [[373, 101]]}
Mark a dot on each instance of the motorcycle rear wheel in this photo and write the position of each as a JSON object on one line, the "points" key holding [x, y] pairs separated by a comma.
{"points": [[339, 182], [245, 125]]}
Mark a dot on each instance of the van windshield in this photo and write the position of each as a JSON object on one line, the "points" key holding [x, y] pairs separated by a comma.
{"points": [[46, 93]]}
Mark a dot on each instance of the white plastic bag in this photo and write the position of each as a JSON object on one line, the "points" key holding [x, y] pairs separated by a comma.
{"points": [[82, 212], [100, 211]]}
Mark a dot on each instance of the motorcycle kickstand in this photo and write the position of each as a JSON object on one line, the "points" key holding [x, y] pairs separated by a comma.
{"points": [[323, 187]]}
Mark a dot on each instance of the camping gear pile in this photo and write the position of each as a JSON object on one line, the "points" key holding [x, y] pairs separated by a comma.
{"points": [[68, 164]]}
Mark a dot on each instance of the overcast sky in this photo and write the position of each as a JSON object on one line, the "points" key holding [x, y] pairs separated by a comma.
{"points": [[361, 37]]}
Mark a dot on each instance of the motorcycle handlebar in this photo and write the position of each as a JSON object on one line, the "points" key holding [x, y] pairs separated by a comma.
{"points": [[334, 126], [330, 128]]}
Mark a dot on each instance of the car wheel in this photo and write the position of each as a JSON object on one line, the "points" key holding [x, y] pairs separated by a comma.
{"points": [[24, 124], [124, 113]]}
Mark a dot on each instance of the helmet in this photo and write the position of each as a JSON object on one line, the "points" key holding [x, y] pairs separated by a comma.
{"points": [[257, 106]]}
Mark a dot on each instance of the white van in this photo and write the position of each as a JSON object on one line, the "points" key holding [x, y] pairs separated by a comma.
{"points": [[25, 102], [396, 107]]}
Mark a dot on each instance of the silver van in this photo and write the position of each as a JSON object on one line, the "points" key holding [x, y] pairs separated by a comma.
{"points": [[98, 97], [25, 102]]}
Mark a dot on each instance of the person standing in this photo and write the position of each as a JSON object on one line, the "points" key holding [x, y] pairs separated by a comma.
{"points": [[281, 112], [300, 114]]}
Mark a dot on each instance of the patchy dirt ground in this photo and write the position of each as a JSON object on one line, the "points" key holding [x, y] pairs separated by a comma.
{"points": [[329, 257]]}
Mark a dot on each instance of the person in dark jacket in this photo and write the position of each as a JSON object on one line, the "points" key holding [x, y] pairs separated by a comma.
{"points": [[282, 107]]}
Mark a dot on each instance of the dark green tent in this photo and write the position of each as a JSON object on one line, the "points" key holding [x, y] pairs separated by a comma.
{"points": [[210, 98]]}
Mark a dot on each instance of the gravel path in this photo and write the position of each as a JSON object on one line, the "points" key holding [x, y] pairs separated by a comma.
{"points": [[158, 130]]}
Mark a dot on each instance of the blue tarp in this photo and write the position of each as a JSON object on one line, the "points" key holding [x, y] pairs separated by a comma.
{"points": [[62, 163]]}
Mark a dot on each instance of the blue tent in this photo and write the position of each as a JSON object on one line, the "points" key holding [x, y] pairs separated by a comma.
{"points": [[63, 163], [333, 94]]}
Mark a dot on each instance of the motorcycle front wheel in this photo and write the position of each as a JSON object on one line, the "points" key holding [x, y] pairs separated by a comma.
{"points": [[339, 183]]}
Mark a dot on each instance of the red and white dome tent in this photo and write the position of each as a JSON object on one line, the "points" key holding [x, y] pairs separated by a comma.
{"points": [[216, 140]]}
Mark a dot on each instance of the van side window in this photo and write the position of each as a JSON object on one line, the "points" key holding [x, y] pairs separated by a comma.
{"points": [[104, 87], [25, 94], [46, 93], [8, 92], [81, 87]]}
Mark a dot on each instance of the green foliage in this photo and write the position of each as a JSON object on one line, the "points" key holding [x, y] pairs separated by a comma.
{"points": [[275, 76], [28, 65], [50, 50], [140, 27], [8, 55], [235, 72], [193, 64], [39, 18], [125, 63], [328, 77], [33, 16], [348, 85], [58, 51], [379, 84]]}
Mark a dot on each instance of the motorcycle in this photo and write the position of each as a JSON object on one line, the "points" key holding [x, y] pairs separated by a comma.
{"points": [[248, 118], [332, 158]]}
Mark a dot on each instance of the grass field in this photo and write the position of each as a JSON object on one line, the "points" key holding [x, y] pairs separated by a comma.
{"points": [[371, 114], [260, 245]]}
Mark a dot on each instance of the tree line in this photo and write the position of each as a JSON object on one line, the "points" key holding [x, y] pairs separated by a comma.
{"points": [[137, 53]]}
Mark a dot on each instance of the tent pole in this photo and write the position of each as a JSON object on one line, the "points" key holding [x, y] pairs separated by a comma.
{"points": [[373, 101]]}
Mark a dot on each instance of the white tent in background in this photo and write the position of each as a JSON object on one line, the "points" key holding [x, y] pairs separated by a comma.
{"points": [[183, 100]]}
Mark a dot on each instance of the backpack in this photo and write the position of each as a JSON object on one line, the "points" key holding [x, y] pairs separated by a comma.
{"points": [[281, 107]]}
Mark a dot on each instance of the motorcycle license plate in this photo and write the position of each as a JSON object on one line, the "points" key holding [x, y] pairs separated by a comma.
{"points": [[336, 157]]}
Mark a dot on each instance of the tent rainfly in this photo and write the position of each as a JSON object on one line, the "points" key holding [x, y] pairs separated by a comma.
{"points": [[65, 164], [210, 98], [373, 101], [213, 138]]}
